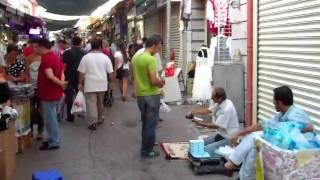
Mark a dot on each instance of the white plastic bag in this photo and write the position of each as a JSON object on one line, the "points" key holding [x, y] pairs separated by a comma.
{"points": [[79, 104], [164, 108]]}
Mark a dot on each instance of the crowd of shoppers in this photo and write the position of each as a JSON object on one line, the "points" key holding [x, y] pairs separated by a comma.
{"points": [[53, 69]]}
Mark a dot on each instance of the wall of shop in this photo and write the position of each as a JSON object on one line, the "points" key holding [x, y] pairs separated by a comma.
{"points": [[239, 35], [197, 27]]}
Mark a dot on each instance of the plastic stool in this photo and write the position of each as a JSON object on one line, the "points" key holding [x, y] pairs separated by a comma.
{"points": [[47, 175]]}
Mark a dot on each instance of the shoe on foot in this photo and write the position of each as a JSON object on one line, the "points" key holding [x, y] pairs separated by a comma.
{"points": [[100, 122], [70, 119], [92, 127], [48, 148], [151, 154], [39, 137], [160, 119]]}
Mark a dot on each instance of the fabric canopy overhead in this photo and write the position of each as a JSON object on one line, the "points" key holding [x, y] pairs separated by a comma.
{"points": [[71, 7], [58, 25]]}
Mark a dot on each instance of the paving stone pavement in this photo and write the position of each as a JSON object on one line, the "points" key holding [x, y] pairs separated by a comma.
{"points": [[112, 152]]}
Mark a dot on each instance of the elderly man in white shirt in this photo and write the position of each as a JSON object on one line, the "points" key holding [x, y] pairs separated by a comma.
{"points": [[224, 119], [94, 70]]}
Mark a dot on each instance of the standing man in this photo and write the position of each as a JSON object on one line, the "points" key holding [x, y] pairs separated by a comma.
{"points": [[51, 82], [71, 59], [94, 69], [147, 89]]}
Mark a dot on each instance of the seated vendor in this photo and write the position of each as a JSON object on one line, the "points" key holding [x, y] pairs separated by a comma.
{"points": [[245, 152], [224, 119]]}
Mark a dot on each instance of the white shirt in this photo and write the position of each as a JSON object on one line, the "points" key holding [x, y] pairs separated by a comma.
{"points": [[2, 61], [95, 66], [120, 60], [225, 116], [157, 56]]}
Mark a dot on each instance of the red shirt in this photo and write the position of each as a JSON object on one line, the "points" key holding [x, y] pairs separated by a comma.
{"points": [[27, 51], [47, 90]]}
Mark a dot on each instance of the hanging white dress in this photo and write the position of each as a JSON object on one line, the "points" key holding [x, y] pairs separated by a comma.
{"points": [[202, 89]]}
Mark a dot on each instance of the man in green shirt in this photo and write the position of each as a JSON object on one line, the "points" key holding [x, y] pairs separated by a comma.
{"points": [[147, 90]]}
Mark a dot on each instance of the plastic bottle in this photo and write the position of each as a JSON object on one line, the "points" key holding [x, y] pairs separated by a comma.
{"points": [[266, 129]]}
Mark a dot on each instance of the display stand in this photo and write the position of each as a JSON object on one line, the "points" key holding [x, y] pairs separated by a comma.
{"points": [[174, 87], [23, 128], [8, 152]]}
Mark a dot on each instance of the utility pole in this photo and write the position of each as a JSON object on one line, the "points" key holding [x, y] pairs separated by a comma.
{"points": [[168, 29]]}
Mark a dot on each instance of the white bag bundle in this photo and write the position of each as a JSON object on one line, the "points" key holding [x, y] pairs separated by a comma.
{"points": [[164, 108], [79, 104]]}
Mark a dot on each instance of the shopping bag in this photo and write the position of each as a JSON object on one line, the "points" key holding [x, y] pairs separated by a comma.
{"points": [[164, 108], [108, 99], [79, 104]]}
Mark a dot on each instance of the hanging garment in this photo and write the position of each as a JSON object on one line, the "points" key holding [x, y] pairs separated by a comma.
{"points": [[203, 76], [229, 46], [210, 11], [218, 17], [213, 46], [185, 13]]}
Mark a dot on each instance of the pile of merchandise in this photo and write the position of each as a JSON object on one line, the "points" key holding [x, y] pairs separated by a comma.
{"points": [[21, 91], [288, 135]]}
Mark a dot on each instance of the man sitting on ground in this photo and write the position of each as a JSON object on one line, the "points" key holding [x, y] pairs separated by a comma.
{"points": [[224, 119], [245, 152]]}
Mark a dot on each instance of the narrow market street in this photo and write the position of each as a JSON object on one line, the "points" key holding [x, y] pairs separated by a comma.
{"points": [[112, 152]]}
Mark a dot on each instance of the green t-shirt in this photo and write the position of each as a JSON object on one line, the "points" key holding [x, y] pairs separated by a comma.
{"points": [[142, 64]]}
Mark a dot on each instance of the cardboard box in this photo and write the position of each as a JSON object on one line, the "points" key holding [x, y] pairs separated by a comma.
{"points": [[275, 163], [24, 142], [8, 153]]}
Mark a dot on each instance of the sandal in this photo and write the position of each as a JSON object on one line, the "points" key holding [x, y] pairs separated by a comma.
{"points": [[151, 154]]}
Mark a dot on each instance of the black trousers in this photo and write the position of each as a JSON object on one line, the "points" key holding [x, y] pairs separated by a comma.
{"points": [[70, 93], [36, 117]]}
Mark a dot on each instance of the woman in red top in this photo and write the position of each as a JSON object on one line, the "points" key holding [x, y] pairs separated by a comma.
{"points": [[50, 89]]}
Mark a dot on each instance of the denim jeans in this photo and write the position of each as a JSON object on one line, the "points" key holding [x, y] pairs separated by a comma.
{"points": [[212, 143], [149, 107], [49, 112]]}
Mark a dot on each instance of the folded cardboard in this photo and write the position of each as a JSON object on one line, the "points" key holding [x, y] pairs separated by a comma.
{"points": [[8, 153]]}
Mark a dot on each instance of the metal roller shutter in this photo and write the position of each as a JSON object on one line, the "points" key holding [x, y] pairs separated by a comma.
{"points": [[175, 34], [289, 54], [152, 25]]}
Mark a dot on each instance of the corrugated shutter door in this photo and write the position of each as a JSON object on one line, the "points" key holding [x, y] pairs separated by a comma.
{"points": [[174, 31], [152, 25], [289, 54]]}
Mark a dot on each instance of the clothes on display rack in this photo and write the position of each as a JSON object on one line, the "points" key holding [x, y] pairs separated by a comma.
{"points": [[203, 76], [213, 46], [229, 46], [218, 17], [21, 91]]}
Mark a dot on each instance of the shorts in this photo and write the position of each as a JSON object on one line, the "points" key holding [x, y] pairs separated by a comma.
{"points": [[122, 73]]}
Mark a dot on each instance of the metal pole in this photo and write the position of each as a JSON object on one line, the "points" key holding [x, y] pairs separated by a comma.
{"points": [[168, 29]]}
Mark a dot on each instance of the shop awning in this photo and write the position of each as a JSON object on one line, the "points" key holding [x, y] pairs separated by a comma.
{"points": [[139, 2]]}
